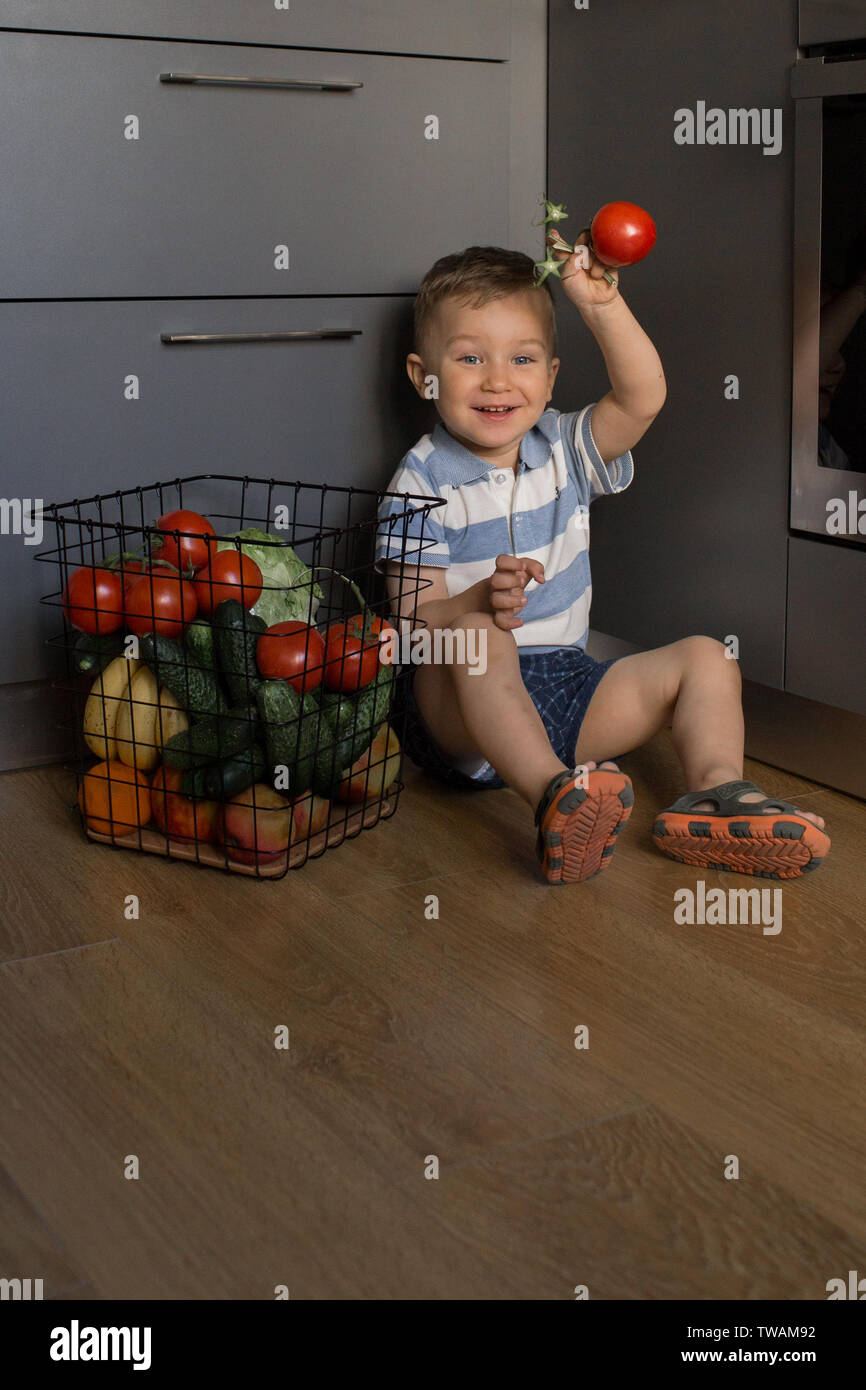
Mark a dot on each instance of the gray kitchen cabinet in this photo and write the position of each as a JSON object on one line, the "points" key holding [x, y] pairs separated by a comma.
{"points": [[826, 649], [831, 21], [94, 401], [240, 189], [447, 28], [698, 542]]}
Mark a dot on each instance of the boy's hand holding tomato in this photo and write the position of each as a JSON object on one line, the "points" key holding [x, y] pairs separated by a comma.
{"points": [[583, 278], [507, 582]]}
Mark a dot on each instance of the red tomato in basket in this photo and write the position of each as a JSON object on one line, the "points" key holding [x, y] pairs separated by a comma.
{"points": [[351, 662], [93, 600], [185, 551], [291, 651], [622, 233], [131, 570], [160, 603], [230, 574]]}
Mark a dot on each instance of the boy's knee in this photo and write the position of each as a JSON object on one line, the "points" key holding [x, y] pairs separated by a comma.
{"points": [[709, 653], [479, 634]]}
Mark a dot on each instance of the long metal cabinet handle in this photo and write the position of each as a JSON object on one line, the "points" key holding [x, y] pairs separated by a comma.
{"points": [[172, 338], [295, 83]]}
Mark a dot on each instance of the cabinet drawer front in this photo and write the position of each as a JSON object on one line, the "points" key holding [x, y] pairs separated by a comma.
{"points": [[826, 652], [95, 402], [451, 28], [240, 189]]}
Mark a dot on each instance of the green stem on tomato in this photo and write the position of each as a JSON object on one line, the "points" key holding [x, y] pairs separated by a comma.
{"points": [[324, 569]]}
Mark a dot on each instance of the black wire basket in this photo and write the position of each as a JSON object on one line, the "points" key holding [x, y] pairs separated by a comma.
{"points": [[191, 735]]}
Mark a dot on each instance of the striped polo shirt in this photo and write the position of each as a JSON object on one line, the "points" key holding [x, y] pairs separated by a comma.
{"points": [[541, 511]]}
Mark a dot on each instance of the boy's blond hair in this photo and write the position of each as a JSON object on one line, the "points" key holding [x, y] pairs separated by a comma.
{"points": [[479, 274]]}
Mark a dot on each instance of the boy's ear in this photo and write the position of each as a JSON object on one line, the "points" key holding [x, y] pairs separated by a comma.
{"points": [[415, 369], [554, 368]]}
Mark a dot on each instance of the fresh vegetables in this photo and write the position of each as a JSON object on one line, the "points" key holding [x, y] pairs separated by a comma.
{"points": [[236, 634], [184, 551], [219, 736], [199, 640], [229, 574], [294, 652], [160, 603], [350, 723], [229, 776], [234, 691], [351, 659], [289, 591], [93, 600], [291, 732], [92, 652], [620, 234], [196, 689]]}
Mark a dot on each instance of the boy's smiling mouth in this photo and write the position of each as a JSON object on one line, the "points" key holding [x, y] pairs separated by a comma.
{"points": [[495, 409]]}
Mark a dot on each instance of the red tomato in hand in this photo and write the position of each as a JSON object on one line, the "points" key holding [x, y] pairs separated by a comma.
{"points": [[160, 603], [350, 661], [230, 574], [185, 551], [93, 600], [622, 233], [291, 651]]}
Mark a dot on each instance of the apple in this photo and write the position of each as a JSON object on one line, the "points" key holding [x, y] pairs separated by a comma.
{"points": [[375, 771], [310, 814], [255, 834], [178, 816]]}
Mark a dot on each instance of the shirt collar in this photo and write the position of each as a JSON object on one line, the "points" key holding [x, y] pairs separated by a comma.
{"points": [[460, 465]]}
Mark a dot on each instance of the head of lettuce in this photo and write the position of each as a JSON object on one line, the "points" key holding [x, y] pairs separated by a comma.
{"points": [[288, 590]]}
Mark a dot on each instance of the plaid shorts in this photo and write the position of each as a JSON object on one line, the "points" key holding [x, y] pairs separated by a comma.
{"points": [[561, 684]]}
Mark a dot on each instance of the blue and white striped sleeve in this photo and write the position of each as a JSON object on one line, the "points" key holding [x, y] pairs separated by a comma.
{"points": [[594, 477], [407, 531]]}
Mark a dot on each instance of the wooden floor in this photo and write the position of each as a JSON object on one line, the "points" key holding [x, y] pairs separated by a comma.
{"points": [[412, 1037]]}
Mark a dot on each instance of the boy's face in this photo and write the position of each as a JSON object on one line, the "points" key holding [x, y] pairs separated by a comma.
{"points": [[487, 357]]}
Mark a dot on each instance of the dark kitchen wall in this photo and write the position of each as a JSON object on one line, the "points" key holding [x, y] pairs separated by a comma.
{"points": [[698, 542]]}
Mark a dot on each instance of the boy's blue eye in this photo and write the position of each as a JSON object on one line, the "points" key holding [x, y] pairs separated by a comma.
{"points": [[520, 357]]}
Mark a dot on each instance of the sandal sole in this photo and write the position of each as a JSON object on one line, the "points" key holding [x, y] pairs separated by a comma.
{"points": [[766, 846], [580, 829]]}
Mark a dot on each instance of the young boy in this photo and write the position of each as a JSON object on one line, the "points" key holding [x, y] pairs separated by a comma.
{"points": [[505, 562]]}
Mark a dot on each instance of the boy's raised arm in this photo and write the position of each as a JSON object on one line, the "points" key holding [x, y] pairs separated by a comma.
{"points": [[638, 388]]}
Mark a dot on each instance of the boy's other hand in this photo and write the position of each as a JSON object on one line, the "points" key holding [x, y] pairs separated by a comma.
{"points": [[582, 279], [507, 582]]}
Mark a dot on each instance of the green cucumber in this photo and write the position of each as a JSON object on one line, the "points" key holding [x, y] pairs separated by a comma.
{"points": [[236, 635], [291, 732], [218, 737], [196, 689], [223, 780], [92, 652], [199, 641], [352, 722]]}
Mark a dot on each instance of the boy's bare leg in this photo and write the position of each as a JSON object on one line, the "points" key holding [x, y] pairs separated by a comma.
{"points": [[489, 714], [691, 687]]}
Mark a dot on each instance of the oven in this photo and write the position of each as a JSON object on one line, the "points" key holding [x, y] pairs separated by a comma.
{"points": [[828, 423]]}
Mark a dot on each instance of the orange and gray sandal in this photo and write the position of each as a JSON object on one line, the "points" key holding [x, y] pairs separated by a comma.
{"points": [[738, 836], [577, 826]]}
